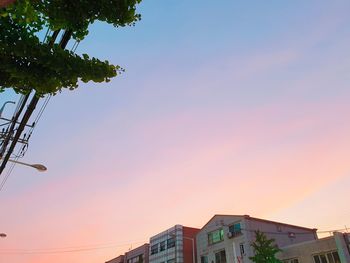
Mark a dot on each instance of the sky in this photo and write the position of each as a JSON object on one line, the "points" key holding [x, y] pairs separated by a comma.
{"points": [[226, 107]]}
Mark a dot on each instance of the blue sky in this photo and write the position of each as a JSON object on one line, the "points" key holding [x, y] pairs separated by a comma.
{"points": [[244, 95]]}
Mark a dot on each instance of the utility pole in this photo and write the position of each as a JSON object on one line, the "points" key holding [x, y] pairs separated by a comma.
{"points": [[14, 133]]}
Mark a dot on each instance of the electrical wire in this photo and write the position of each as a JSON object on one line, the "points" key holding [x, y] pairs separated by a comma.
{"points": [[9, 171], [24, 149], [85, 248], [20, 153], [68, 249], [16, 157], [297, 233]]}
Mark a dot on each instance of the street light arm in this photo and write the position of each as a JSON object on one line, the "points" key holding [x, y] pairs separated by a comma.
{"points": [[39, 167], [3, 106]]}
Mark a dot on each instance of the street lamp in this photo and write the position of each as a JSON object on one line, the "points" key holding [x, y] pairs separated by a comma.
{"points": [[3, 106], [38, 167]]}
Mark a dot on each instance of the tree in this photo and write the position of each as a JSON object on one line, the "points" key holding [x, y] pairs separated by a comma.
{"points": [[47, 67], [264, 249], [30, 66]]}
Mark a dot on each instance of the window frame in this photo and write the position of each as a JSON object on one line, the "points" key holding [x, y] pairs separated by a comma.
{"points": [[324, 257], [204, 257], [210, 236], [155, 251], [170, 244], [221, 256], [162, 246], [235, 231]]}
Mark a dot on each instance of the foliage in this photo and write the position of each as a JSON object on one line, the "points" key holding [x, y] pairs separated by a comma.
{"points": [[264, 249], [27, 63]]}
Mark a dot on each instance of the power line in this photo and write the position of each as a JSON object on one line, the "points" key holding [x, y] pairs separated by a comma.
{"points": [[297, 233], [67, 249], [85, 248], [18, 131]]}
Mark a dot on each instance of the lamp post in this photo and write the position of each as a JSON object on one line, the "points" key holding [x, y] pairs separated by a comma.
{"points": [[38, 167], [3, 106]]}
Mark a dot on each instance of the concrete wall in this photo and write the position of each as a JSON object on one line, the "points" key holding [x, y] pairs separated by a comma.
{"points": [[231, 246], [168, 254], [342, 242], [141, 250], [119, 259], [284, 234], [304, 251], [189, 244], [238, 248]]}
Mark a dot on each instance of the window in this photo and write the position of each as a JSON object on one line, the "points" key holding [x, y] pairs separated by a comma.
{"points": [[154, 249], [279, 228], [220, 257], [137, 259], [241, 249], [215, 236], [294, 260], [204, 259], [328, 257], [235, 229], [317, 259], [336, 257], [162, 246], [323, 259], [170, 242]]}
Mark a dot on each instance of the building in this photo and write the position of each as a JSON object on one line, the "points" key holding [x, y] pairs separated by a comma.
{"points": [[119, 259], [176, 244], [227, 238], [333, 249], [138, 255]]}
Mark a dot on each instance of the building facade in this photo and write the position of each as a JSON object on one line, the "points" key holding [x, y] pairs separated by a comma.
{"points": [[176, 244], [138, 255], [119, 259], [227, 238], [333, 249]]}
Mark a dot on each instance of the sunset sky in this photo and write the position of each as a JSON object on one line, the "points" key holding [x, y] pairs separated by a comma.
{"points": [[226, 107]]}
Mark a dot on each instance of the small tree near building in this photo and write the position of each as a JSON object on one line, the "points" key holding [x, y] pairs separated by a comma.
{"points": [[265, 249]]}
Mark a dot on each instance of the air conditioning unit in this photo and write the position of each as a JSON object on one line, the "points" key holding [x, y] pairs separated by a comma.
{"points": [[230, 235], [291, 234]]}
